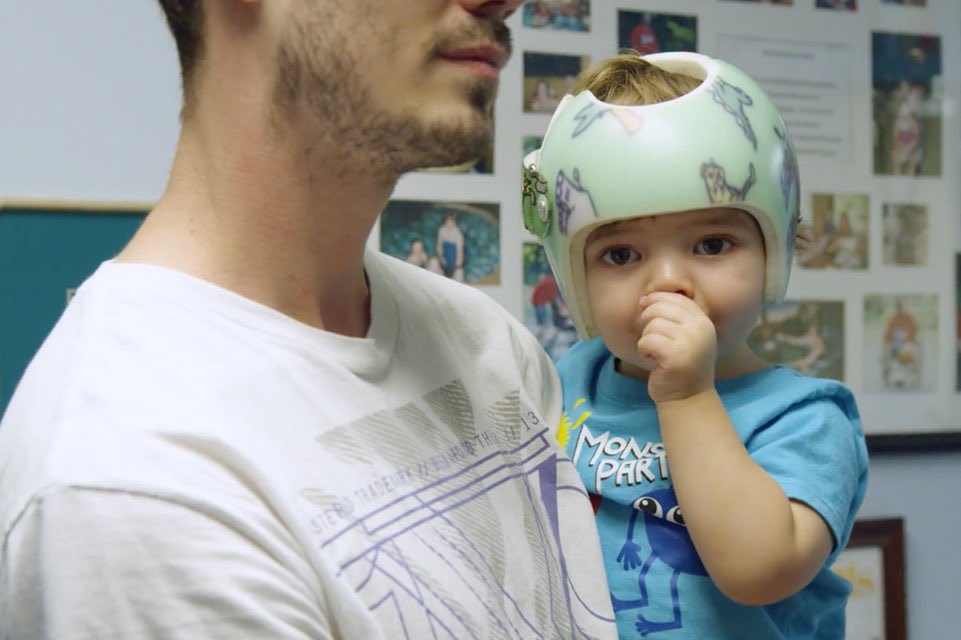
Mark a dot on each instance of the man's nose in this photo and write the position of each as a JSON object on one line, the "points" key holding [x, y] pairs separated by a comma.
{"points": [[497, 9]]}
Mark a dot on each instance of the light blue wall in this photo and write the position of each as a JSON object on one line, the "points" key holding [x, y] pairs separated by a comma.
{"points": [[924, 490], [89, 99]]}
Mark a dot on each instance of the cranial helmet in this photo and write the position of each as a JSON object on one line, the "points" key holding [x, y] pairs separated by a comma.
{"points": [[724, 144]]}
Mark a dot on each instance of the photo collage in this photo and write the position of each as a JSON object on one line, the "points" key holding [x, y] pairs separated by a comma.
{"points": [[867, 303]]}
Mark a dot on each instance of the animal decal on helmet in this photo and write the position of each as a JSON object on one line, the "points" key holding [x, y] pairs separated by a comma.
{"points": [[718, 190]]}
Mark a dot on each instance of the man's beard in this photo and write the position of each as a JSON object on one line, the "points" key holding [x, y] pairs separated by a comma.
{"points": [[317, 72]]}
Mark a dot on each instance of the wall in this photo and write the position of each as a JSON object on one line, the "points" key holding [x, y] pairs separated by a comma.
{"points": [[89, 100]]}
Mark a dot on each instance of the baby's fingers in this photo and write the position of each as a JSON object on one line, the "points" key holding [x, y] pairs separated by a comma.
{"points": [[667, 327], [654, 346], [680, 300], [664, 311]]}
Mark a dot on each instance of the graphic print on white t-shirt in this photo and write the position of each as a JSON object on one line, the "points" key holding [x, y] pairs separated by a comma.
{"points": [[424, 538]]}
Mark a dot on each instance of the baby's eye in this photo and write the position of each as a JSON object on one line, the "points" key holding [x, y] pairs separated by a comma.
{"points": [[620, 256], [712, 246]]}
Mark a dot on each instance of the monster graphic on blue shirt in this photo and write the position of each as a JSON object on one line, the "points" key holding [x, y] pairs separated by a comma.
{"points": [[669, 543]]}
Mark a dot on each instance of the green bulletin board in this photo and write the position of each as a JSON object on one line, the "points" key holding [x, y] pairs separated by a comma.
{"points": [[46, 251]]}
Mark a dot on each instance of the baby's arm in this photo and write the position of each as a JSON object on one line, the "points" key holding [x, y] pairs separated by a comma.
{"points": [[757, 545]]}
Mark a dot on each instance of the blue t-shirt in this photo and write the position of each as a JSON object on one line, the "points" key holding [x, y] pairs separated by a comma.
{"points": [[805, 432]]}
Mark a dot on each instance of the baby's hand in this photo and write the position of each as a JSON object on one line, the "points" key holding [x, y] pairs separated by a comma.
{"points": [[678, 340]]}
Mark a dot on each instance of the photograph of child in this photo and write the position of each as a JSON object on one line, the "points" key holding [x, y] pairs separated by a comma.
{"points": [[841, 5], [907, 97], [548, 77], [957, 314], [560, 15], [837, 235], [807, 336], [458, 240], [647, 32], [900, 342], [905, 234], [545, 313]]}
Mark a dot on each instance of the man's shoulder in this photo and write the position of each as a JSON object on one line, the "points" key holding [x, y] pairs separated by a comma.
{"points": [[413, 284]]}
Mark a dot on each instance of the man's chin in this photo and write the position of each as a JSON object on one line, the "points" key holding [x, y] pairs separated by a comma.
{"points": [[449, 149]]}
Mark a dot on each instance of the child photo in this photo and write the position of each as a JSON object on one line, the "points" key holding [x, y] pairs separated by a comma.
{"points": [[841, 5], [560, 15], [458, 240], [957, 317], [907, 98], [900, 342], [545, 313], [549, 77], [905, 234], [837, 235], [647, 32], [807, 336]]}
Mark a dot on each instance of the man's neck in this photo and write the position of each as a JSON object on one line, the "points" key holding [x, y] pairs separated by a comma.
{"points": [[270, 221]]}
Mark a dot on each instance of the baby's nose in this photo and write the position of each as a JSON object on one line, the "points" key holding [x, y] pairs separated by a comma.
{"points": [[668, 274]]}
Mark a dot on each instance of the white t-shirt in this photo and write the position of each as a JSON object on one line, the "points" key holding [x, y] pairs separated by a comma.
{"points": [[182, 462]]}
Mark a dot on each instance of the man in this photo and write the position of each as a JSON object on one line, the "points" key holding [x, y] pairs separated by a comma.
{"points": [[246, 425]]}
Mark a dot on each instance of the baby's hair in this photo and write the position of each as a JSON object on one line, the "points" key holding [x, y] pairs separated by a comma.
{"points": [[627, 79]]}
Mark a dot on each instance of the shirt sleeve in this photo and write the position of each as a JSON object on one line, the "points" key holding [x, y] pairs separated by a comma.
{"points": [[815, 451], [94, 564]]}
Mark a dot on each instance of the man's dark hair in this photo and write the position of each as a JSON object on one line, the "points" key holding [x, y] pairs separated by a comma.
{"points": [[185, 19]]}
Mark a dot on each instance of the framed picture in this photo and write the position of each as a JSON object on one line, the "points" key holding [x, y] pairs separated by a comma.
{"points": [[905, 234], [47, 249], [841, 5], [838, 232], [460, 240], [548, 77], [806, 335], [900, 371], [545, 312], [906, 75], [559, 15], [900, 343], [873, 562], [647, 32]]}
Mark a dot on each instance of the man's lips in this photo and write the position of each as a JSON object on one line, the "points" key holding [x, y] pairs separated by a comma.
{"points": [[489, 54]]}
